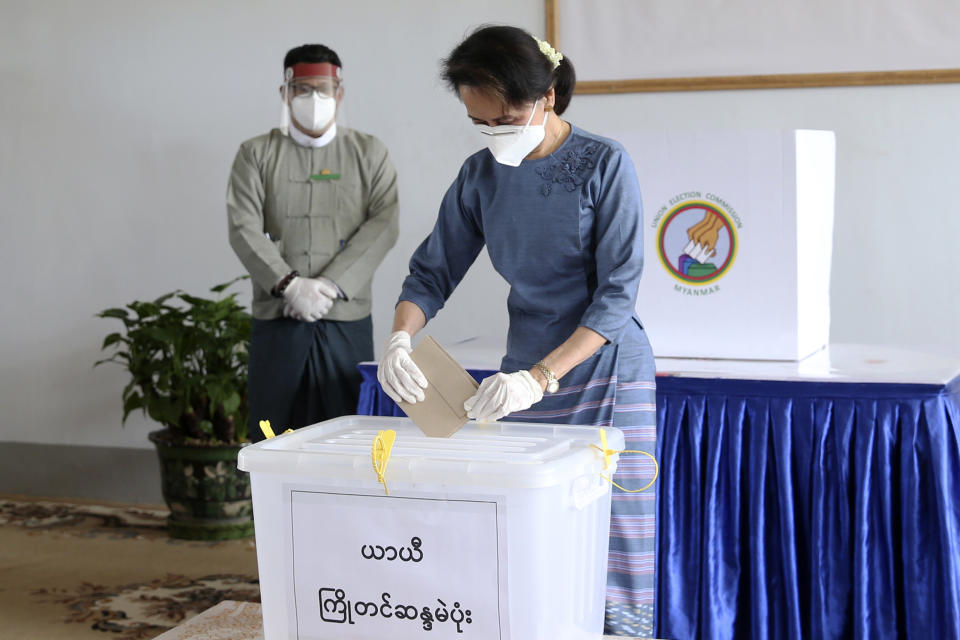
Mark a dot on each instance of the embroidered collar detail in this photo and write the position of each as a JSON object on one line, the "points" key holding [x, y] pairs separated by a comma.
{"points": [[569, 169]]}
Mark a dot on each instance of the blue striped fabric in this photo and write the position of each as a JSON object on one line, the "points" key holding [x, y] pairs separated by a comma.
{"points": [[591, 396]]}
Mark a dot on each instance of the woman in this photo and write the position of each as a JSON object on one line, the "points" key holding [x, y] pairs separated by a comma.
{"points": [[560, 214]]}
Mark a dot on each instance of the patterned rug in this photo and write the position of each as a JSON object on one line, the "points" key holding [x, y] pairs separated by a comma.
{"points": [[79, 570]]}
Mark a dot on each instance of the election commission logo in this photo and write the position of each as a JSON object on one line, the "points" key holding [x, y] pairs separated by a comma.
{"points": [[696, 242]]}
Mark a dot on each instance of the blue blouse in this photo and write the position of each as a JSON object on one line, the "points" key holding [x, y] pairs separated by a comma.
{"points": [[563, 230]]}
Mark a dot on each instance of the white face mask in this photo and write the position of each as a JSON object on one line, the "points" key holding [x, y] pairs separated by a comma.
{"points": [[511, 143], [313, 112]]}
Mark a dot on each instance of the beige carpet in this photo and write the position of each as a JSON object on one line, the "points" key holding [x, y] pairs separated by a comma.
{"points": [[76, 570]]}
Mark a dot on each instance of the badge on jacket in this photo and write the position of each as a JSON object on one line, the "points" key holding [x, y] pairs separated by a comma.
{"points": [[326, 174]]}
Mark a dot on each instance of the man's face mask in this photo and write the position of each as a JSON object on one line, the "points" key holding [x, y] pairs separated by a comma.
{"points": [[511, 143], [312, 106]]}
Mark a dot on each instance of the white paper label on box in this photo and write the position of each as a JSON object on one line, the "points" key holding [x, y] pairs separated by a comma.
{"points": [[372, 566]]}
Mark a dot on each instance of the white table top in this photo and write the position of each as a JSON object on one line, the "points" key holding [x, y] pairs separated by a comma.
{"points": [[837, 363]]}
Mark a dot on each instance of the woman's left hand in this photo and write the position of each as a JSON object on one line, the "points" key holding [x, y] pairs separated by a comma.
{"points": [[503, 393]]}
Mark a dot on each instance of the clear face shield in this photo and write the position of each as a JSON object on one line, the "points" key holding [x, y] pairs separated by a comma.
{"points": [[310, 93], [324, 86]]}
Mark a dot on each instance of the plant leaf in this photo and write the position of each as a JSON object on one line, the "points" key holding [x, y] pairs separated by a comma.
{"points": [[133, 402], [221, 287], [231, 403], [113, 338]]}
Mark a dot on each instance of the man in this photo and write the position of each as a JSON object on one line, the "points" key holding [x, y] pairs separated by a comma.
{"points": [[312, 211]]}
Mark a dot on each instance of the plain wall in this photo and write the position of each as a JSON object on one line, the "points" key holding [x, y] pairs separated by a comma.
{"points": [[120, 120]]}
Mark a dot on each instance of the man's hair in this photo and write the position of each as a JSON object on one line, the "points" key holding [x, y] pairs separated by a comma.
{"points": [[311, 53]]}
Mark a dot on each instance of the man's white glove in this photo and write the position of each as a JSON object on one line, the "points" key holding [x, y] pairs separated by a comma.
{"points": [[398, 374], [503, 393], [309, 299]]}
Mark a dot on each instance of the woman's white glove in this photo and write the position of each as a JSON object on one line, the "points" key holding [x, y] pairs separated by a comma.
{"points": [[398, 374], [309, 299], [503, 393]]}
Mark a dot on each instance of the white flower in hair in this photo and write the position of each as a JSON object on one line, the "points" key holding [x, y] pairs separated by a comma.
{"points": [[552, 54]]}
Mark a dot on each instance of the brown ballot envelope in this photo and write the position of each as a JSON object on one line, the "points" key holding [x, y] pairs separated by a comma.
{"points": [[440, 414]]}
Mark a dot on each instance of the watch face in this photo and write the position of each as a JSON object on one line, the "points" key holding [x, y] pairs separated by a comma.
{"points": [[552, 386]]}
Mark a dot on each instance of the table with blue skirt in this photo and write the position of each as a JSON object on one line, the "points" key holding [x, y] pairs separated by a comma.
{"points": [[818, 499]]}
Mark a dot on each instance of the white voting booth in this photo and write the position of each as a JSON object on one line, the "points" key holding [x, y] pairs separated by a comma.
{"points": [[737, 241]]}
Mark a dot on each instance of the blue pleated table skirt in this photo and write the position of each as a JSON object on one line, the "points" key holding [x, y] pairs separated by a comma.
{"points": [[800, 509]]}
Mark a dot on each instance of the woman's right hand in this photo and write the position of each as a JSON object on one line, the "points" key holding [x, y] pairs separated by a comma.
{"points": [[398, 374]]}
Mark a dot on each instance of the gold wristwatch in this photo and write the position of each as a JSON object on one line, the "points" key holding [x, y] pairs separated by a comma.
{"points": [[552, 383]]}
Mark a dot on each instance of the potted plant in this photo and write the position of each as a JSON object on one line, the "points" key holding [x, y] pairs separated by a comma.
{"points": [[187, 359]]}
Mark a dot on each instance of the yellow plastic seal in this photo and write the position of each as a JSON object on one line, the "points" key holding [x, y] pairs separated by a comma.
{"points": [[382, 447], [267, 429], [611, 452]]}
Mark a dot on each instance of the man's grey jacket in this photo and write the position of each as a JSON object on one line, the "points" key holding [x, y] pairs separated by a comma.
{"points": [[329, 211]]}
